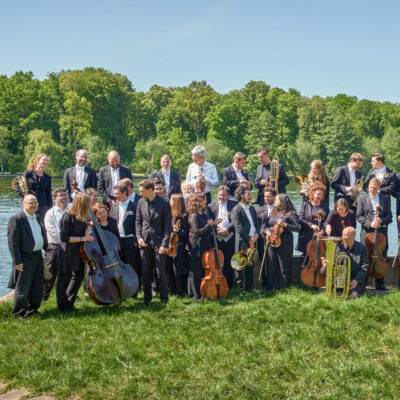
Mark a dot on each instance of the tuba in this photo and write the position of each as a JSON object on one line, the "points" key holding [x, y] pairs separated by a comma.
{"points": [[338, 270], [274, 171], [22, 182]]}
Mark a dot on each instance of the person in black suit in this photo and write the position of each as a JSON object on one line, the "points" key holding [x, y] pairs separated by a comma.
{"points": [[345, 178], [385, 176], [39, 184], [26, 239], [73, 231], [263, 176], [170, 179], [247, 230], [81, 174], [367, 216], [235, 175], [109, 176], [222, 209], [124, 212], [153, 227]]}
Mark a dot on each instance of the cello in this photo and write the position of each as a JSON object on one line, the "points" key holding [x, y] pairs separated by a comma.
{"points": [[213, 285], [111, 281], [311, 273], [376, 243]]}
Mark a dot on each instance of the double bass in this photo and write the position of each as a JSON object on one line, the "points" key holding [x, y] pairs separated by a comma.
{"points": [[111, 281], [311, 273], [376, 243], [213, 285]]}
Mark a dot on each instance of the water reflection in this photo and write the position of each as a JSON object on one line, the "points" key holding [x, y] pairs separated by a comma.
{"points": [[10, 204]]}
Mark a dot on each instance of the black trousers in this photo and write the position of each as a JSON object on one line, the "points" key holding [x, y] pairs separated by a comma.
{"points": [[244, 279], [29, 285], [228, 248], [51, 259], [279, 265], [150, 259], [196, 273], [130, 254], [68, 284]]}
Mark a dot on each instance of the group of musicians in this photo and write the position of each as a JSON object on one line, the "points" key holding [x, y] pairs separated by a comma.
{"points": [[144, 223]]}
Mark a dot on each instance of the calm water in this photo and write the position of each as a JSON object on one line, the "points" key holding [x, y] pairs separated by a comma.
{"points": [[10, 204]]}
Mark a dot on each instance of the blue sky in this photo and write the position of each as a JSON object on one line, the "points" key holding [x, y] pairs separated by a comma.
{"points": [[318, 47]]}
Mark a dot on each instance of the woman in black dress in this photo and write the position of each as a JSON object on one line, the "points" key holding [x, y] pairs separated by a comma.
{"points": [[308, 216], [107, 223], [73, 232], [198, 242], [339, 218], [279, 259], [318, 174], [39, 184], [178, 265]]}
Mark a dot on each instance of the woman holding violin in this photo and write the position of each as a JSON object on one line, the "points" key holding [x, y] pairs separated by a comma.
{"points": [[339, 218], [309, 214], [177, 255], [318, 174], [198, 241], [73, 231], [283, 221]]}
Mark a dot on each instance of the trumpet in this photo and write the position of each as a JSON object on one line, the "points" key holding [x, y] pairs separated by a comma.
{"points": [[22, 184], [274, 177], [356, 191]]}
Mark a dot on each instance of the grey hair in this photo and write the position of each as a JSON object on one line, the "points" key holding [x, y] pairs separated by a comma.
{"points": [[200, 151]]}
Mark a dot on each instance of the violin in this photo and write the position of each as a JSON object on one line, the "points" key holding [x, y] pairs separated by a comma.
{"points": [[311, 273], [201, 184], [376, 243], [111, 281], [213, 285], [173, 240], [274, 240]]}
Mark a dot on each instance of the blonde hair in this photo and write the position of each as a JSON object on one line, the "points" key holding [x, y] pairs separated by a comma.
{"points": [[80, 207], [322, 175]]}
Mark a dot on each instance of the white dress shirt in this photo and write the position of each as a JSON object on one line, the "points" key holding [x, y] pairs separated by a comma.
{"points": [[132, 197], [210, 175], [270, 207], [379, 174], [122, 206], [114, 179], [36, 231], [52, 224], [167, 180], [238, 172], [80, 174], [247, 210], [352, 174], [375, 202], [223, 214]]}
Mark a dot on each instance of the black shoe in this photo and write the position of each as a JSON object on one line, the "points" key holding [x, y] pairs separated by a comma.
{"points": [[381, 287], [145, 304], [164, 301]]}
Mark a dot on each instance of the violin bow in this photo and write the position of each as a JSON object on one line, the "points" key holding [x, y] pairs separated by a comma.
{"points": [[263, 259]]}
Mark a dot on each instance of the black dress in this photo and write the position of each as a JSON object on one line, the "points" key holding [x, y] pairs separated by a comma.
{"points": [[197, 243], [338, 223], [309, 216], [279, 259], [71, 266], [39, 186], [112, 226]]}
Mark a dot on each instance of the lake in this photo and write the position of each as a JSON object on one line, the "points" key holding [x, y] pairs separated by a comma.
{"points": [[10, 204]]}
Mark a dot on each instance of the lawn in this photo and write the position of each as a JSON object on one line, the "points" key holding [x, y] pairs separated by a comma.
{"points": [[289, 345]]}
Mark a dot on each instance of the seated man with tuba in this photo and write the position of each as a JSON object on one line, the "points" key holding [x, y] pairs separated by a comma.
{"points": [[245, 222], [357, 252]]}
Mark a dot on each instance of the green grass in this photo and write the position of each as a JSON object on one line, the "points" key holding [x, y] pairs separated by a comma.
{"points": [[293, 345]]}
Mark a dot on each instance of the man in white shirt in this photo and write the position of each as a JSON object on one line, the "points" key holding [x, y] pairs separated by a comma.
{"points": [[26, 239], [170, 179], [244, 219], [52, 225], [201, 173]]}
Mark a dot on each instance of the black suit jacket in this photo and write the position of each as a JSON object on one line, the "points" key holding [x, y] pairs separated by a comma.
{"points": [[341, 179], [388, 185], [20, 240], [174, 181], [242, 226], [130, 216], [396, 195], [264, 172], [105, 182], [229, 178], [365, 214], [153, 222], [89, 179], [213, 209]]}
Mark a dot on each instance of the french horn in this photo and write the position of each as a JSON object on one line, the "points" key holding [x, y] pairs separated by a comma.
{"points": [[243, 259], [22, 182]]}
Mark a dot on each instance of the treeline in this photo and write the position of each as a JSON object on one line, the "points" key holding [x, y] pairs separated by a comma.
{"points": [[99, 111]]}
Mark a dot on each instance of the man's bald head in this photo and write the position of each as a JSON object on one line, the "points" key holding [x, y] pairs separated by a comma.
{"points": [[349, 235], [113, 159], [30, 204]]}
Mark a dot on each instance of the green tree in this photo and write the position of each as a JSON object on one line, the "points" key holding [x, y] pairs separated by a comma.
{"points": [[366, 117], [390, 146], [97, 150], [148, 154], [4, 152], [256, 94]]}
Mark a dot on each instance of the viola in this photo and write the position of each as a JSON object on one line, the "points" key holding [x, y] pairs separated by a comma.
{"points": [[111, 281], [274, 240], [376, 243], [213, 285], [173, 241], [311, 273]]}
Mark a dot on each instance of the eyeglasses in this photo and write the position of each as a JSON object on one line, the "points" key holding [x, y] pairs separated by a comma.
{"points": [[31, 203]]}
